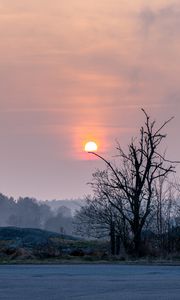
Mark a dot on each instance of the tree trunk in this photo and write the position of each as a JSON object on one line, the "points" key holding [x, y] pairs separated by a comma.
{"points": [[137, 243], [118, 244], [112, 238]]}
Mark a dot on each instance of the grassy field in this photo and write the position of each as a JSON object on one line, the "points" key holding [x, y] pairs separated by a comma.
{"points": [[35, 246]]}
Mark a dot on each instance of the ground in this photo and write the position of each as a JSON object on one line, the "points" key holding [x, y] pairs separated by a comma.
{"points": [[89, 282]]}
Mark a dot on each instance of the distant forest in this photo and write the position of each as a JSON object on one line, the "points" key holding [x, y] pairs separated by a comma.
{"points": [[27, 212]]}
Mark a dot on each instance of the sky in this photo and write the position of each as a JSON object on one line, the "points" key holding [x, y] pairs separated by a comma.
{"points": [[73, 71]]}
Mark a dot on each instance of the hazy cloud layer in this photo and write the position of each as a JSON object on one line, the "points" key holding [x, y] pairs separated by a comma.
{"points": [[75, 70]]}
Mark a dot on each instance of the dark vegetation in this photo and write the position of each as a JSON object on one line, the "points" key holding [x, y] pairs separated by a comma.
{"points": [[37, 244]]}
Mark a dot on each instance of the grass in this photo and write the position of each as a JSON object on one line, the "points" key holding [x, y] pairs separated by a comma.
{"points": [[90, 260]]}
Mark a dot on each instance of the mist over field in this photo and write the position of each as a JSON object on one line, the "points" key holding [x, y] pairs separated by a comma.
{"points": [[27, 212]]}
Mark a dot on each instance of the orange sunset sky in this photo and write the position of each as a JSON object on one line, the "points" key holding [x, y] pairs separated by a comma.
{"points": [[76, 70]]}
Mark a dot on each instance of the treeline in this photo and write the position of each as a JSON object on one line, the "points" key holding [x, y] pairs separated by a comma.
{"points": [[29, 213]]}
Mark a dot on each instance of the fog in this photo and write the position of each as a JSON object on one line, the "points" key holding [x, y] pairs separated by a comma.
{"points": [[27, 212]]}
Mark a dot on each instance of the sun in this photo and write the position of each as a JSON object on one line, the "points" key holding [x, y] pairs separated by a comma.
{"points": [[90, 147]]}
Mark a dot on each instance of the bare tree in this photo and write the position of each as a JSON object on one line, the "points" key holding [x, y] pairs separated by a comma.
{"points": [[100, 219], [159, 219], [131, 181], [163, 212]]}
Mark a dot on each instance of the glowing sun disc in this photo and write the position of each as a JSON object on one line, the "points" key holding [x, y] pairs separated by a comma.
{"points": [[90, 147]]}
